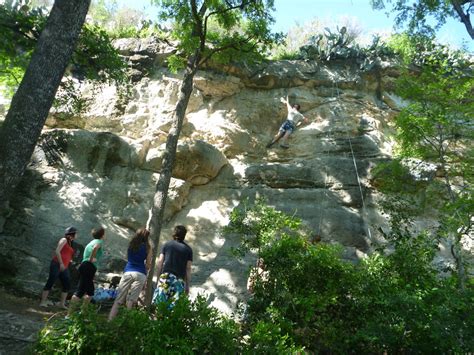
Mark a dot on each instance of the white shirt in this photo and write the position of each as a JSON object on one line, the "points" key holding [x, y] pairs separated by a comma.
{"points": [[294, 116]]}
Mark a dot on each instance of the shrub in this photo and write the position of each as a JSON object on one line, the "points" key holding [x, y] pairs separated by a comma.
{"points": [[390, 302], [190, 327]]}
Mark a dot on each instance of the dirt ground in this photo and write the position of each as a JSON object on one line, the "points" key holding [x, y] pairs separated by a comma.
{"points": [[20, 320]]}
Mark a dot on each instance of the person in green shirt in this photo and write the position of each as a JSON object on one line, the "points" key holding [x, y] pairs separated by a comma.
{"points": [[92, 254]]}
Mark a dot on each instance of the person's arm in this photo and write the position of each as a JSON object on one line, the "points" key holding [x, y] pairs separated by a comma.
{"points": [[187, 281], [159, 269], [287, 102], [92, 258], [60, 246], [305, 120], [148, 260]]}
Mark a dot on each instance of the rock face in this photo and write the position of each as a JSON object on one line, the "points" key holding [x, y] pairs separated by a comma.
{"points": [[105, 172]]}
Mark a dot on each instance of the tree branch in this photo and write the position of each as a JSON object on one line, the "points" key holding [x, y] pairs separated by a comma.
{"points": [[464, 17], [234, 45]]}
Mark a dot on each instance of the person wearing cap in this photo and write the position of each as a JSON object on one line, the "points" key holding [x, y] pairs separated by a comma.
{"points": [[287, 128], [58, 268]]}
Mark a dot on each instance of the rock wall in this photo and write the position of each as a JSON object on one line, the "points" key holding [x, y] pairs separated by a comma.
{"points": [[103, 172]]}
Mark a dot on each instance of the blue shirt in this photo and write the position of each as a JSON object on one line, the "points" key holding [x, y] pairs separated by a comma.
{"points": [[136, 260]]}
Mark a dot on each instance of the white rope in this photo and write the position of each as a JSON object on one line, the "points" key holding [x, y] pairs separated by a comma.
{"points": [[321, 210], [364, 211]]}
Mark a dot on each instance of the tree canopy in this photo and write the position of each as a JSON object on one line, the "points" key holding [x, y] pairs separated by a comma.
{"points": [[419, 13], [20, 27], [223, 30]]}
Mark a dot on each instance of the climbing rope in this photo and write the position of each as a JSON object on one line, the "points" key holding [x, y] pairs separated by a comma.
{"points": [[321, 210], [364, 211]]}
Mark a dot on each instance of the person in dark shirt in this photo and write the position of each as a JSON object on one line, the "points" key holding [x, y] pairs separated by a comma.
{"points": [[174, 268]]}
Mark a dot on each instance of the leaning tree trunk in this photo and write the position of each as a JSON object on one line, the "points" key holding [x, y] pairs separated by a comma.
{"points": [[32, 101], [161, 193]]}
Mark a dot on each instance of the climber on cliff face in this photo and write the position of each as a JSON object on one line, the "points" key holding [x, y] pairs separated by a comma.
{"points": [[294, 118]]}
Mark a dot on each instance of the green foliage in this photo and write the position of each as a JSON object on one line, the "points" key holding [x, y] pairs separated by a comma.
{"points": [[188, 328], [329, 45], [69, 101], [94, 57], [258, 225], [389, 302], [436, 126], [103, 11], [267, 338], [419, 14], [19, 30], [309, 299], [223, 30], [423, 50], [122, 21]]}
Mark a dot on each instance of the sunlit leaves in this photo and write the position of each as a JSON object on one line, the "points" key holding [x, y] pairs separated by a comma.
{"points": [[94, 57], [223, 30]]}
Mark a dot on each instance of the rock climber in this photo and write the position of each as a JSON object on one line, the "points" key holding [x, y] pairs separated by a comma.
{"points": [[292, 121]]}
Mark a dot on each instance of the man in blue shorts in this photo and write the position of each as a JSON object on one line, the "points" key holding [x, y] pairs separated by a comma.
{"points": [[293, 119]]}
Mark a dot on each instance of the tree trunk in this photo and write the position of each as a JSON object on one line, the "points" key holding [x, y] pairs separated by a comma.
{"points": [[161, 194], [32, 101]]}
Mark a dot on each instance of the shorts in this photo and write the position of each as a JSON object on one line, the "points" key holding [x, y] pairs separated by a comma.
{"points": [[131, 284], [87, 272], [170, 288], [287, 126]]}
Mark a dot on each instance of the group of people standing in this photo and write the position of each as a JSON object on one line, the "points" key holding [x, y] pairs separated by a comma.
{"points": [[174, 269]]}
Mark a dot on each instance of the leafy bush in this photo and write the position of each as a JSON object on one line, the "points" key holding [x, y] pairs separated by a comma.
{"points": [[390, 302], [190, 327]]}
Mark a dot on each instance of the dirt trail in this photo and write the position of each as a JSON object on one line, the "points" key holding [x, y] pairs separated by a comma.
{"points": [[20, 320]]}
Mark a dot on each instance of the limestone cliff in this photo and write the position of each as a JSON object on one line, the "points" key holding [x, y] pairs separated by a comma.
{"points": [[102, 169]]}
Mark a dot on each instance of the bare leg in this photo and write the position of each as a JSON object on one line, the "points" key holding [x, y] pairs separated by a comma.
{"points": [[284, 141], [44, 297], [73, 305], [114, 311], [276, 138], [63, 300], [87, 300]]}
